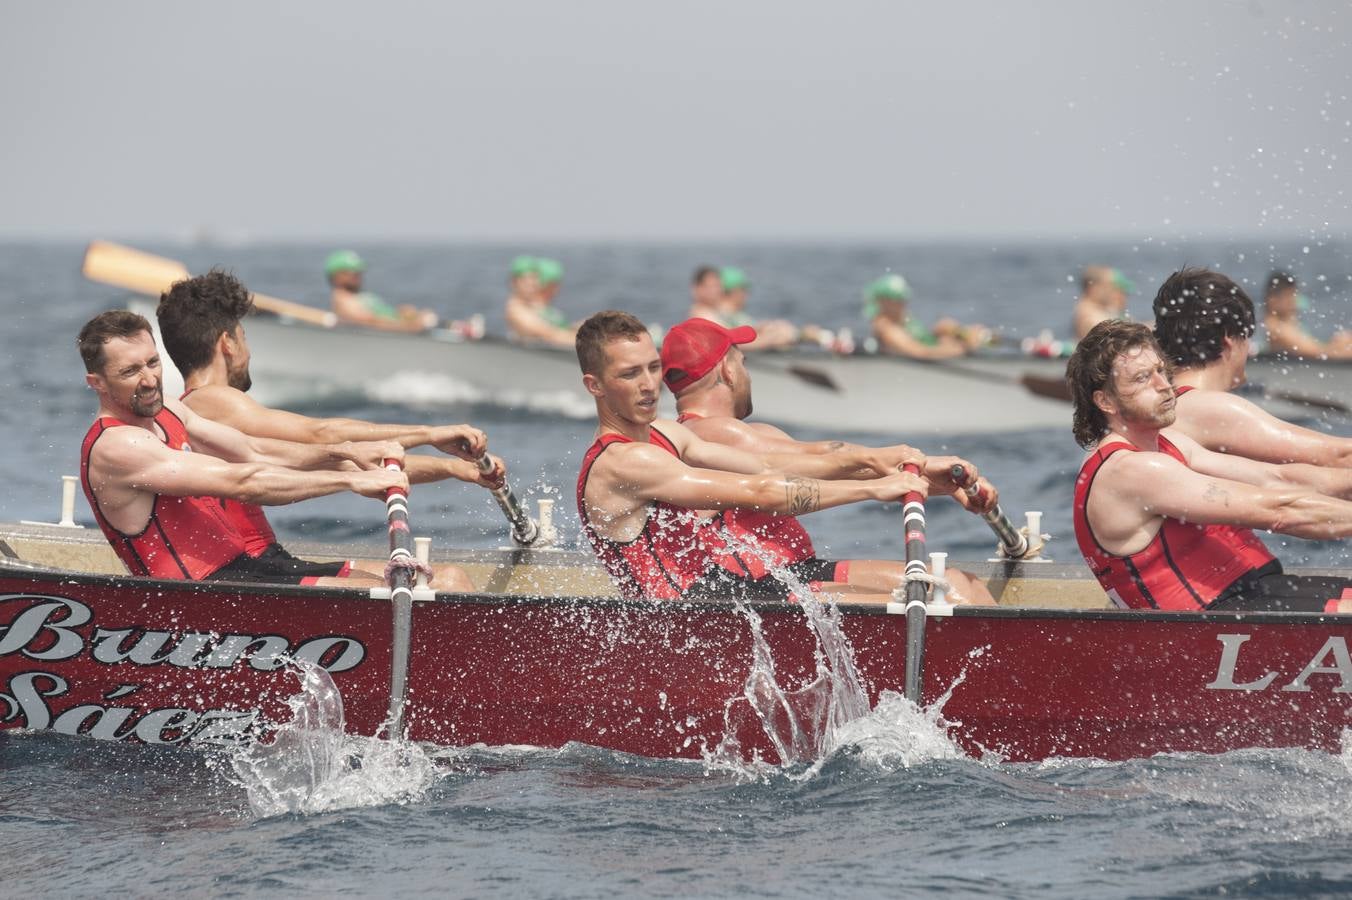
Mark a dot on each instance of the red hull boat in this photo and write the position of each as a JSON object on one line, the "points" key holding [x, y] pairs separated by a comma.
{"points": [[123, 658]]}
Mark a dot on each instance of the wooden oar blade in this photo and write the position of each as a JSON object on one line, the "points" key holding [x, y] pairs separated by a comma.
{"points": [[133, 270]]}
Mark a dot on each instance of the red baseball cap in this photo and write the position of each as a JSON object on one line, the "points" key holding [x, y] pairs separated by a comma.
{"points": [[691, 349]]}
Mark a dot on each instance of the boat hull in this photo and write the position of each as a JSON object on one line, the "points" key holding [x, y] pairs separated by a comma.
{"points": [[165, 662]]}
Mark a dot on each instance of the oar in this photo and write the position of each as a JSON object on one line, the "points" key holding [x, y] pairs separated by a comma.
{"points": [[400, 575], [524, 529], [1012, 541], [145, 273], [913, 520]]}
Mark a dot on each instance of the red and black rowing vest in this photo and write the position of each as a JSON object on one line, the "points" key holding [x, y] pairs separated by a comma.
{"points": [[186, 537], [1185, 565], [249, 520], [675, 548], [781, 539]]}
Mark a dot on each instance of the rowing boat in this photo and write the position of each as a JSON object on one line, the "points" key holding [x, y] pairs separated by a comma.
{"points": [[544, 653]]}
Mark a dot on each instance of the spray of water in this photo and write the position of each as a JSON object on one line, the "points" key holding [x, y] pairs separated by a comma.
{"points": [[312, 766], [827, 714]]}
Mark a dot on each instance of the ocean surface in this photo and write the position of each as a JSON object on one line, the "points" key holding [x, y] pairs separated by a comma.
{"points": [[893, 811]]}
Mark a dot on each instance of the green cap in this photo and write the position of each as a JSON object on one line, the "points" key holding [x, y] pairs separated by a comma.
{"points": [[1122, 282], [343, 261], [548, 270], [524, 265], [889, 287], [733, 278], [1302, 302]]}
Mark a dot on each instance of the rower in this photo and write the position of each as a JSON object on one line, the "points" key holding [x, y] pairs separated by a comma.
{"points": [[1282, 306], [1165, 523], [1204, 321], [704, 367], [531, 315], [160, 507], [1103, 296], [344, 270], [644, 483], [897, 332], [771, 334], [706, 294], [201, 324]]}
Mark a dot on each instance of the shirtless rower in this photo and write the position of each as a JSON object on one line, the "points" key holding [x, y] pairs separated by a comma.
{"points": [[1103, 296], [531, 315], [1204, 321], [897, 332], [345, 271], [1283, 304], [1163, 522], [201, 324], [771, 334], [704, 367], [706, 294], [643, 484], [159, 506]]}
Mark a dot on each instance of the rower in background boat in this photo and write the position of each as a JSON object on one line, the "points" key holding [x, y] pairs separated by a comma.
{"points": [[1103, 296], [1205, 322], [644, 482], [201, 324], [532, 317], [159, 505], [1282, 306], [345, 271], [899, 333], [1163, 522], [703, 366], [771, 334]]}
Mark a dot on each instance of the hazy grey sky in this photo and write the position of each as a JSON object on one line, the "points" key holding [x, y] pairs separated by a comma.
{"points": [[627, 119]]}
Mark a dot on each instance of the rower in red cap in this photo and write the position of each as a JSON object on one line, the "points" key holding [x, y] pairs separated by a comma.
{"points": [[653, 496]]}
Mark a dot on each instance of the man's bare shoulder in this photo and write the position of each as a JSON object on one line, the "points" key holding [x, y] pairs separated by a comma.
{"points": [[1213, 403], [719, 428], [1142, 468]]}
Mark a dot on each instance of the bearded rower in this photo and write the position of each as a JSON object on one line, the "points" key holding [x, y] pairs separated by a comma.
{"points": [[200, 323], [1205, 323], [644, 483], [704, 367], [160, 505], [1165, 523]]}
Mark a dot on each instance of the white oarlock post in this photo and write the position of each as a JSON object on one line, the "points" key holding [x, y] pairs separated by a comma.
{"points": [[68, 501], [938, 566], [549, 535], [422, 551], [1036, 539]]}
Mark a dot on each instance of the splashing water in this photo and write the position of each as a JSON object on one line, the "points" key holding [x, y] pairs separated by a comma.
{"points": [[312, 766], [830, 712]]}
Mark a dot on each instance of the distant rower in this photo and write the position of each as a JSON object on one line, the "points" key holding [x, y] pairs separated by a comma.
{"points": [[531, 315], [1103, 296], [897, 332], [354, 306], [1283, 304]]}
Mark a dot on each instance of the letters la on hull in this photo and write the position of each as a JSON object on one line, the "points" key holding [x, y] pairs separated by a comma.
{"points": [[167, 662]]}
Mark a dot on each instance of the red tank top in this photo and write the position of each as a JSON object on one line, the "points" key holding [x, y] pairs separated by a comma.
{"points": [[186, 537], [781, 539], [1185, 566], [249, 520], [675, 548]]}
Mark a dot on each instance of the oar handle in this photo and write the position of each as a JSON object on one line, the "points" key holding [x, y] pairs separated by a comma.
{"points": [[399, 574], [913, 519], [524, 529], [1012, 541]]}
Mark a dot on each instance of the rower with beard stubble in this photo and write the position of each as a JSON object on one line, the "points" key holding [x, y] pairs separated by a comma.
{"points": [[200, 324], [155, 473], [1165, 523]]}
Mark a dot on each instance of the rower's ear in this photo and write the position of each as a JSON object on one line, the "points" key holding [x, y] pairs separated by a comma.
{"points": [[94, 380], [592, 384], [1104, 402]]}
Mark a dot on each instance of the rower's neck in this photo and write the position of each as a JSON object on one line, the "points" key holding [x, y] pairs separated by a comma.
{"points": [[610, 424], [212, 373], [1217, 376], [1145, 437]]}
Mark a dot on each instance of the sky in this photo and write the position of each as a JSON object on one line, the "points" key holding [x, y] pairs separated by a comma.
{"points": [[632, 120]]}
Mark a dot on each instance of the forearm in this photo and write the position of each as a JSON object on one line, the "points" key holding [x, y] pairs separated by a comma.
{"points": [[1322, 479], [292, 455], [338, 430], [842, 463], [796, 495], [422, 469], [1315, 517], [270, 485]]}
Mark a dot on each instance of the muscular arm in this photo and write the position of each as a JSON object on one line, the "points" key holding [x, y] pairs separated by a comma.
{"points": [[525, 324], [1226, 423], [1323, 480], [1140, 487], [853, 460], [238, 410], [894, 338], [220, 440]]}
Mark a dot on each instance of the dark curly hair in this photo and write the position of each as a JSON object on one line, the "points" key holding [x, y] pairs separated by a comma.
{"points": [[1195, 310], [1090, 369], [194, 313]]}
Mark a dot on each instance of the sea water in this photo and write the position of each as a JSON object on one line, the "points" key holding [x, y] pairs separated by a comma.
{"points": [[874, 801]]}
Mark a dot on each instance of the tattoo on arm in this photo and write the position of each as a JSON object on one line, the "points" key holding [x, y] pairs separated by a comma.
{"points": [[835, 445], [1215, 493], [804, 495]]}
